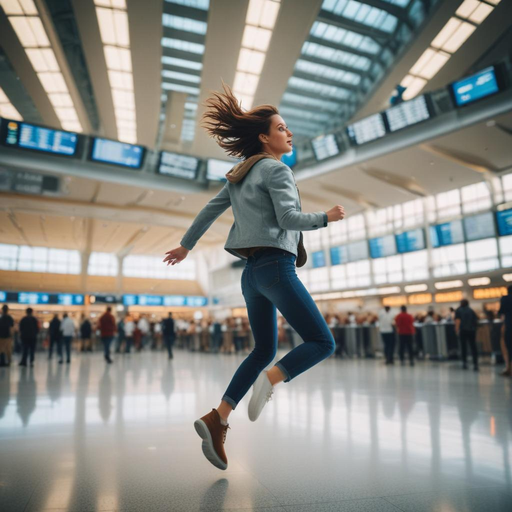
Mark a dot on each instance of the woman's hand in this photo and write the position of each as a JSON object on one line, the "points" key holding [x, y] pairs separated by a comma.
{"points": [[335, 214], [176, 255]]}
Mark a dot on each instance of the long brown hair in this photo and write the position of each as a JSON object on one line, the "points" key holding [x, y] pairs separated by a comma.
{"points": [[235, 130]]}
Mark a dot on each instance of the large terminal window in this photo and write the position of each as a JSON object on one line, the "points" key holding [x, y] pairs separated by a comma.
{"points": [[154, 268], [482, 255], [102, 264], [448, 204], [39, 259], [449, 261], [413, 213], [507, 186], [506, 251], [356, 227], [415, 266], [475, 198], [319, 280], [388, 270]]}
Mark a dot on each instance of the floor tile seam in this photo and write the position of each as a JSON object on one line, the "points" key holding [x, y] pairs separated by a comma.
{"points": [[393, 505]]}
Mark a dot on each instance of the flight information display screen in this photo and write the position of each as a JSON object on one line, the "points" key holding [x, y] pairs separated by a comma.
{"points": [[357, 251], [339, 255], [216, 170], [448, 233], [165, 300], [410, 241], [504, 218], [366, 130], [37, 138], [325, 146], [179, 166], [475, 87], [318, 259], [382, 246], [117, 153], [407, 113], [479, 226]]}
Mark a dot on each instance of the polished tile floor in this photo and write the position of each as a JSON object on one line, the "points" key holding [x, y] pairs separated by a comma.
{"points": [[346, 436]]}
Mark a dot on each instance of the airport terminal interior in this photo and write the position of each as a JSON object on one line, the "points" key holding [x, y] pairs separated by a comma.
{"points": [[112, 361]]}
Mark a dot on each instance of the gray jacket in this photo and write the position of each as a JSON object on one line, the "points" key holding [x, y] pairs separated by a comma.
{"points": [[267, 211]]}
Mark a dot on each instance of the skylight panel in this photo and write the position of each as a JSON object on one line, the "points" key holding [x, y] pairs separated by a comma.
{"points": [[180, 88], [185, 24], [7, 109], [345, 37], [336, 56], [362, 13], [321, 70], [307, 101], [308, 85], [196, 4], [182, 63], [184, 46], [184, 77]]}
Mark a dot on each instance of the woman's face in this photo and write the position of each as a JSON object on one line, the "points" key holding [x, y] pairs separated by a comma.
{"points": [[279, 139]]}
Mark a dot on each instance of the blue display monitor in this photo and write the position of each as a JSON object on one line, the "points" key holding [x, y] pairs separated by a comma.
{"points": [[479, 226], [410, 241], [382, 246], [325, 146], [318, 259], [33, 298], [475, 87], [179, 166], [448, 233], [504, 218], [339, 255], [216, 170], [37, 138], [290, 159], [68, 299], [117, 153], [366, 130], [164, 300]]}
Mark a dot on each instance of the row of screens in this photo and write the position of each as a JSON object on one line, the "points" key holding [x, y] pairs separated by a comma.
{"points": [[476, 227], [68, 299], [57, 142], [481, 85], [28, 136], [63, 299]]}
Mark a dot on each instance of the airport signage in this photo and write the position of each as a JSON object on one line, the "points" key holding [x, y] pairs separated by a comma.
{"points": [[24, 182], [34, 298], [179, 166], [117, 153], [475, 87], [164, 300], [37, 138]]}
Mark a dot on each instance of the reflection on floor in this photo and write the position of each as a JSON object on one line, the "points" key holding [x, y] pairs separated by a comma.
{"points": [[347, 435]]}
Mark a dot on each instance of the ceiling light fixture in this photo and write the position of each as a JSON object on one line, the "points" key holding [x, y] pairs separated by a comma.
{"points": [[115, 36], [259, 24], [451, 37], [25, 21]]}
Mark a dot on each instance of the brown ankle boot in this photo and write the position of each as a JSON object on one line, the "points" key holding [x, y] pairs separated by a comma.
{"points": [[213, 433]]}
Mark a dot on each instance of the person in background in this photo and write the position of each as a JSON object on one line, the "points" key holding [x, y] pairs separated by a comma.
{"points": [[168, 332], [405, 326], [107, 325], [68, 330], [387, 333], [121, 335], [129, 330], [85, 334], [466, 324], [6, 328], [54, 334], [429, 319], [450, 316], [143, 326], [29, 328], [506, 344]]}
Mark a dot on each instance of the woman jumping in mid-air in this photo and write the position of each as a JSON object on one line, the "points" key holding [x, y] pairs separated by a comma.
{"points": [[267, 233]]}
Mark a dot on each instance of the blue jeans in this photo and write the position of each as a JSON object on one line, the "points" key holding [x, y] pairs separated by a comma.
{"points": [[269, 280], [66, 341], [107, 340]]}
